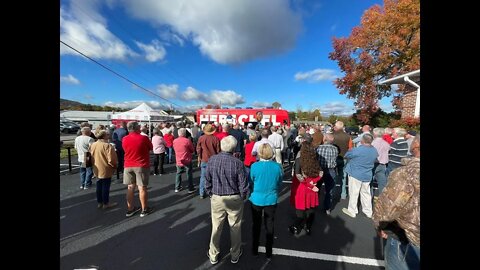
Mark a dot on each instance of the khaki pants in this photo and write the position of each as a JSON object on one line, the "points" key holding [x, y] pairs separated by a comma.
{"points": [[222, 206], [356, 187], [278, 156]]}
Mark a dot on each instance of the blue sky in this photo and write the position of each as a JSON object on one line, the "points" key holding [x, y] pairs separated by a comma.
{"points": [[238, 52]]}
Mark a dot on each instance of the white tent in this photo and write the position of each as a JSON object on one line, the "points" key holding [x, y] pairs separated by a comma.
{"points": [[142, 113]]}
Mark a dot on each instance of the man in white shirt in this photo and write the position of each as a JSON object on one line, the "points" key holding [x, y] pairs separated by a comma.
{"points": [[82, 145], [365, 130], [278, 144], [264, 134]]}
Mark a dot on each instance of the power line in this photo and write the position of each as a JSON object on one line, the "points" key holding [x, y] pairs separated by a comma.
{"points": [[118, 74]]}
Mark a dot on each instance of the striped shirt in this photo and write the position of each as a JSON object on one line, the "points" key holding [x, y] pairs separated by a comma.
{"points": [[327, 155], [226, 175], [398, 150]]}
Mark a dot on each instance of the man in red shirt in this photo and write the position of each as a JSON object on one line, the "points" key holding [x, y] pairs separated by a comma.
{"points": [[207, 146], [223, 134], [137, 168]]}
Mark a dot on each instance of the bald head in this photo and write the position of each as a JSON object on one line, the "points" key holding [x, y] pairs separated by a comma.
{"points": [[366, 128], [338, 125]]}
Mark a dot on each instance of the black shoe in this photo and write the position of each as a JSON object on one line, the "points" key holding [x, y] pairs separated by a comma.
{"points": [[146, 211], [133, 211], [255, 252], [293, 230], [190, 191], [234, 261]]}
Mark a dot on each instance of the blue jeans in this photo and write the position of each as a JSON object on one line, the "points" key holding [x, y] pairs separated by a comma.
{"points": [[380, 174], [399, 256], [329, 180], [342, 175], [203, 168], [103, 190], [85, 176], [178, 177], [169, 154]]}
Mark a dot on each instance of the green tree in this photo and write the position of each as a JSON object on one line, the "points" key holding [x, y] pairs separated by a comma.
{"points": [[332, 118], [316, 113], [292, 116], [276, 105]]}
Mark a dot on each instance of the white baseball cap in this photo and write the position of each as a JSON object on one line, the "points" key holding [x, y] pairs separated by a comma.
{"points": [[250, 125]]}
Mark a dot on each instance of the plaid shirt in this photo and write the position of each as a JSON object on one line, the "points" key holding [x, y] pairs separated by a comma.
{"points": [[327, 155], [226, 175]]}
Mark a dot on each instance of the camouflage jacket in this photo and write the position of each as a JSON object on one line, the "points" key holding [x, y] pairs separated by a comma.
{"points": [[400, 200]]}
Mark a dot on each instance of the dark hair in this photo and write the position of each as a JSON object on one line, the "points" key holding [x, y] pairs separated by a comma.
{"points": [[308, 160]]}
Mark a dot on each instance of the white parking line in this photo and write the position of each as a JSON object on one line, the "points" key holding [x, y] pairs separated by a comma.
{"points": [[324, 257], [78, 233]]}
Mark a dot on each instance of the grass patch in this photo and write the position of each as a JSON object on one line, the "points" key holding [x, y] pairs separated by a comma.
{"points": [[64, 152]]}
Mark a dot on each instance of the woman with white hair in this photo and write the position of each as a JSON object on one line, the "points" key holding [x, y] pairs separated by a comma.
{"points": [[104, 163]]}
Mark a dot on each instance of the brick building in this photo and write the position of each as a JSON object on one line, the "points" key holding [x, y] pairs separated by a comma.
{"points": [[411, 99]]}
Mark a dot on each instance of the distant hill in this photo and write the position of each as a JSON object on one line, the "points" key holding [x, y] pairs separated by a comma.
{"points": [[71, 105]]}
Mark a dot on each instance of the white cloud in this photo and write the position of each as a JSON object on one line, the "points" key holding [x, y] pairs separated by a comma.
{"points": [[82, 27], [69, 79], [154, 51], [169, 37], [193, 94], [260, 104], [232, 32], [167, 91], [337, 108], [227, 97], [333, 27], [316, 75], [134, 103]]}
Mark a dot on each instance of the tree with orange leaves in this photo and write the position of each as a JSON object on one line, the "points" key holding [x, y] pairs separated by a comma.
{"points": [[386, 44]]}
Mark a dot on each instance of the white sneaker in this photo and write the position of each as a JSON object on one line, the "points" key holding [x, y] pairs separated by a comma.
{"points": [[345, 210]]}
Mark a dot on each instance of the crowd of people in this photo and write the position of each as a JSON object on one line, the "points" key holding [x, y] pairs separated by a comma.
{"points": [[240, 163]]}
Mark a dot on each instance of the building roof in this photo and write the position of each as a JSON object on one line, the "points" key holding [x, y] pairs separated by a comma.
{"points": [[85, 115], [414, 76]]}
